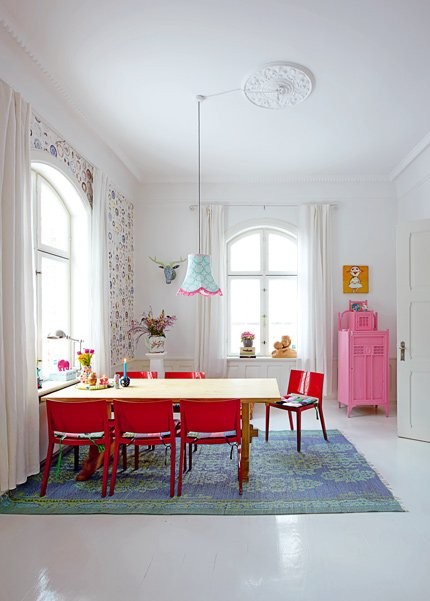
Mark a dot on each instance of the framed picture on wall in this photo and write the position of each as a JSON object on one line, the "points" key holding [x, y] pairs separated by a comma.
{"points": [[355, 279]]}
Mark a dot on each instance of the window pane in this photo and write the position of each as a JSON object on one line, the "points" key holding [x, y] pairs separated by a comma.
{"points": [[54, 220], [244, 311], [282, 309], [54, 310], [282, 253], [245, 254]]}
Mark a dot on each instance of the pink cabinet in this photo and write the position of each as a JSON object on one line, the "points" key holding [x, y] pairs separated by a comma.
{"points": [[363, 368]]}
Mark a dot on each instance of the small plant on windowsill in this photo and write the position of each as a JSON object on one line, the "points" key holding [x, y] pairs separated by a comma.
{"points": [[247, 338]]}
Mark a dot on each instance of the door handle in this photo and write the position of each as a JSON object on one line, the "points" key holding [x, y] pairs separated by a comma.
{"points": [[402, 348]]}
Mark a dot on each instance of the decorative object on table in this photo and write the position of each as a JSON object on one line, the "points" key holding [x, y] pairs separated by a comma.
{"points": [[169, 269], [125, 380], [153, 328], [85, 359], [199, 278], [355, 279], [104, 380], [358, 305], [284, 349], [92, 379]]}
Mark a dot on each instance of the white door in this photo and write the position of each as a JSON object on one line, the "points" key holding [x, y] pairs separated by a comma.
{"points": [[413, 330]]}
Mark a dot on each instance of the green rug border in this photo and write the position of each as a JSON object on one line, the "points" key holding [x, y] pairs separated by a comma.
{"points": [[181, 505]]}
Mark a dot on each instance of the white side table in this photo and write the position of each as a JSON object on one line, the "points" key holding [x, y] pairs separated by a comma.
{"points": [[156, 362]]}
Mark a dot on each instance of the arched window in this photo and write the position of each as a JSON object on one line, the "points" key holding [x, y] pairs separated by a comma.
{"points": [[262, 287], [62, 253]]}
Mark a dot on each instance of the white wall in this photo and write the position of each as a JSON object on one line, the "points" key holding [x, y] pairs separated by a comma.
{"points": [[364, 233]]}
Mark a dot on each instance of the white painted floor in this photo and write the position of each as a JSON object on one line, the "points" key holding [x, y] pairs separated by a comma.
{"points": [[353, 557]]}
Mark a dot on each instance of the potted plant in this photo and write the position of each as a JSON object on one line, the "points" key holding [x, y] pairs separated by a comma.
{"points": [[247, 338], [153, 328]]}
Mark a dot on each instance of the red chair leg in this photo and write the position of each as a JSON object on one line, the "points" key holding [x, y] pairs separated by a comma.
{"points": [[105, 470], [321, 414], [267, 421], [48, 461], [76, 459], [124, 457], [190, 457], [136, 457], [181, 462], [114, 469], [172, 468], [299, 430]]}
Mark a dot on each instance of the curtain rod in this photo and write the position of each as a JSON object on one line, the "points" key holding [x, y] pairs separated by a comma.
{"points": [[193, 207]]}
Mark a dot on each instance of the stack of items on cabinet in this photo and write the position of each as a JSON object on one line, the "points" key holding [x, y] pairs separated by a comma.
{"points": [[362, 359]]}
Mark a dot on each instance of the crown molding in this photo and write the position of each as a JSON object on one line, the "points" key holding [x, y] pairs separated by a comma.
{"points": [[60, 90]]}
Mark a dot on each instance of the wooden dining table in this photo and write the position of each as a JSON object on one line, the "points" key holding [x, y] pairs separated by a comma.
{"points": [[248, 390]]}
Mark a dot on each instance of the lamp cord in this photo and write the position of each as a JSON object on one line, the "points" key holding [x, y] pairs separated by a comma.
{"points": [[198, 162]]}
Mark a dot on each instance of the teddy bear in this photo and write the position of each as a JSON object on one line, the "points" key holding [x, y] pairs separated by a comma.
{"points": [[283, 349]]}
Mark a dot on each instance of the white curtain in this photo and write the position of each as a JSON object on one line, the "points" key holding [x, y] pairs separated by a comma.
{"points": [[19, 402], [315, 338], [99, 326], [210, 339]]}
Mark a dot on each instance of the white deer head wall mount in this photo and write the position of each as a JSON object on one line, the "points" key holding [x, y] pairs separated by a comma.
{"points": [[169, 269]]}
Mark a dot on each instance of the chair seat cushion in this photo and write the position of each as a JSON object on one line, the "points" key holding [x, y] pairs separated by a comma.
{"points": [[79, 435], [145, 435], [297, 400], [200, 435]]}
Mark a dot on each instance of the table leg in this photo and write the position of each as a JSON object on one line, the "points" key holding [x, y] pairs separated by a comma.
{"points": [[246, 438]]}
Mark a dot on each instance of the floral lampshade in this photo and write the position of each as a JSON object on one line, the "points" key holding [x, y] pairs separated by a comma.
{"points": [[199, 278]]}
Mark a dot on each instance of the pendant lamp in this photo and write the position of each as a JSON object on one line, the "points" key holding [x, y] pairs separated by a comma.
{"points": [[199, 278]]}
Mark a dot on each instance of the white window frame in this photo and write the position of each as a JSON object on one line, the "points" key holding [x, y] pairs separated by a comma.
{"points": [[264, 228], [77, 255]]}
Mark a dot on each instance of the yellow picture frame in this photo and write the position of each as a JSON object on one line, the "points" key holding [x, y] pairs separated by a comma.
{"points": [[355, 279]]}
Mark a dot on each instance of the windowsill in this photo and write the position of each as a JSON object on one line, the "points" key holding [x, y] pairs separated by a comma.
{"points": [[53, 385], [259, 358]]}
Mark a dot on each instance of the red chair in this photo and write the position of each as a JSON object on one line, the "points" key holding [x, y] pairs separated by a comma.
{"points": [[148, 423], [77, 424], [147, 375], [139, 375], [306, 384], [210, 422], [195, 375]]}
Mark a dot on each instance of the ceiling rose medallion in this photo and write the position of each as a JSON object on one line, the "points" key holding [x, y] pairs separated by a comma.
{"points": [[278, 84]]}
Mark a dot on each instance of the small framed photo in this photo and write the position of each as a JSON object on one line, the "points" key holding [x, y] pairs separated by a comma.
{"points": [[358, 305], [355, 279]]}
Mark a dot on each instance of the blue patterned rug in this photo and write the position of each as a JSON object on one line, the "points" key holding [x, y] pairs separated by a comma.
{"points": [[326, 477]]}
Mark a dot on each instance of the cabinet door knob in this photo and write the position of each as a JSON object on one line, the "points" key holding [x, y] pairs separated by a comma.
{"points": [[402, 348]]}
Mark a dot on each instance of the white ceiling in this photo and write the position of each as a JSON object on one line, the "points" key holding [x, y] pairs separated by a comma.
{"points": [[134, 67]]}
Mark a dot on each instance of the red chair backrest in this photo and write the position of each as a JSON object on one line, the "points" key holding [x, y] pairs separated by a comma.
{"points": [[77, 417], [210, 416], [144, 416], [147, 375], [195, 375], [306, 382]]}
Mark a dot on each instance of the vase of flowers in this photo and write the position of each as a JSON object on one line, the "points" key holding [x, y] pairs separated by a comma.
{"points": [[85, 357], [247, 338], [153, 328]]}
